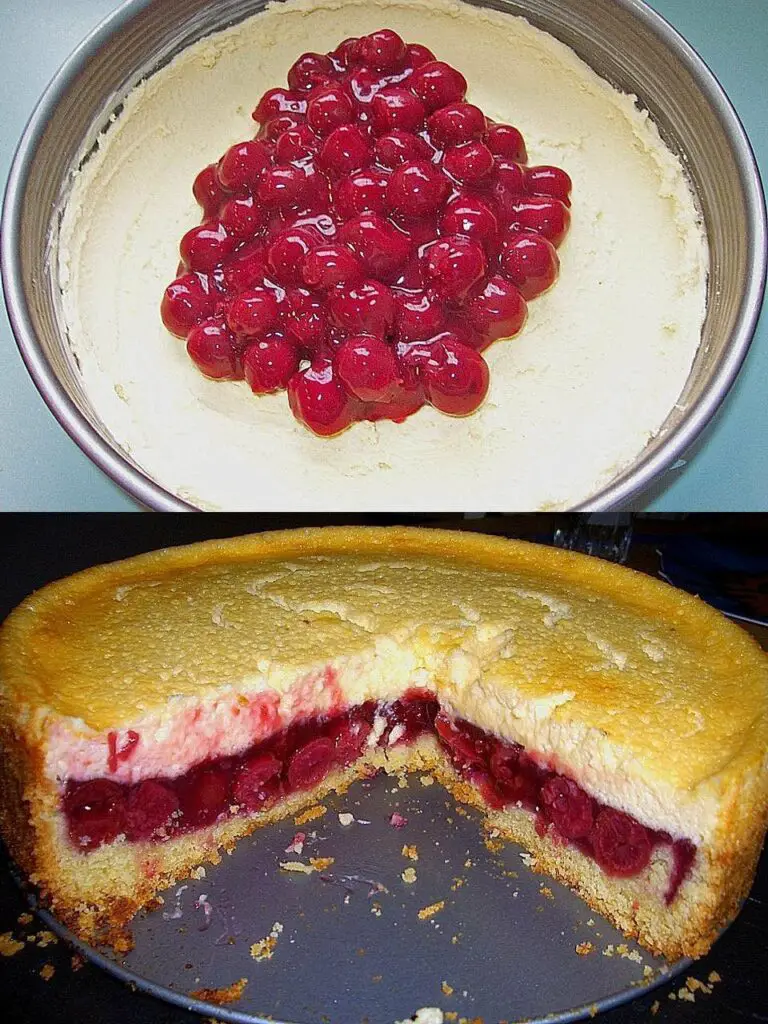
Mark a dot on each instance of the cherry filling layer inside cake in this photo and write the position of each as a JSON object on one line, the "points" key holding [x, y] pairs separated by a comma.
{"points": [[373, 239], [298, 758]]}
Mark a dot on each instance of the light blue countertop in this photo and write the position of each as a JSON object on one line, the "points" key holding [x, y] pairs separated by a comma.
{"points": [[41, 469]]}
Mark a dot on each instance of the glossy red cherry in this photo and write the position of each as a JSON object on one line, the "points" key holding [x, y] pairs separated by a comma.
{"points": [[366, 307], [269, 363], [213, 348], [364, 84], [499, 311], [187, 301], [346, 54], [284, 187], [416, 188], [310, 70], [95, 811], [396, 108], [253, 312], [454, 265], [285, 256], [549, 181], [383, 50], [504, 762], [296, 145], [246, 269], [204, 795], [504, 140], [257, 782], [416, 55], [276, 127], [467, 215], [311, 763], [275, 102], [469, 163], [307, 323], [348, 736], [345, 150], [399, 147], [208, 191], [437, 84], [150, 811], [455, 377], [242, 218], [568, 807], [364, 190], [331, 264], [419, 231], [319, 400], [455, 124], [329, 108], [508, 187], [368, 368], [206, 246], [243, 165], [382, 249], [621, 845], [530, 262], [418, 317], [547, 217]]}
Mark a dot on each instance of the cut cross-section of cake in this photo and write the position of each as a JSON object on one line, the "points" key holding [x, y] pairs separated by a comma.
{"points": [[155, 710]]}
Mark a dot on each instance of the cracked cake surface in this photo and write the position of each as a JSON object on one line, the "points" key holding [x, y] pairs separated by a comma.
{"points": [[640, 698]]}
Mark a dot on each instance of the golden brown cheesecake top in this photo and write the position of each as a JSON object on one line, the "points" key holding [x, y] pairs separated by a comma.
{"points": [[585, 641]]}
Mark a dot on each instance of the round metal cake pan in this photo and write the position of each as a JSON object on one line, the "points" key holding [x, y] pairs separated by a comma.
{"points": [[353, 946], [622, 40]]}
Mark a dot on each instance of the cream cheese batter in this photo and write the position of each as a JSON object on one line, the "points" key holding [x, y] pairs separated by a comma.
{"points": [[573, 399]]}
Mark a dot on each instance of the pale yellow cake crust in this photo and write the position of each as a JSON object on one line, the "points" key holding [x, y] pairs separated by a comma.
{"points": [[654, 702], [110, 643]]}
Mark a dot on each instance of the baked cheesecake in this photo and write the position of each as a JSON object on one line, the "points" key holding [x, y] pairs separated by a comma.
{"points": [[572, 398], [155, 710]]}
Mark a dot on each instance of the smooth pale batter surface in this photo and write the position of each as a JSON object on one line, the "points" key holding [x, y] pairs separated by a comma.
{"points": [[598, 367]]}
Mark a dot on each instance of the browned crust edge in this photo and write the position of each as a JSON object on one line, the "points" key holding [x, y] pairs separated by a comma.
{"points": [[122, 879]]}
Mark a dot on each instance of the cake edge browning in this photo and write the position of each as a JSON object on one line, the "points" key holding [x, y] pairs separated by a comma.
{"points": [[29, 803], [128, 877]]}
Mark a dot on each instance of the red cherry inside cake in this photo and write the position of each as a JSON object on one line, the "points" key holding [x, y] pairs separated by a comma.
{"points": [[300, 756], [372, 240]]}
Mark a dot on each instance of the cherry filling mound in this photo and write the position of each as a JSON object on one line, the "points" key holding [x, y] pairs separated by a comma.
{"points": [[301, 756], [373, 239]]}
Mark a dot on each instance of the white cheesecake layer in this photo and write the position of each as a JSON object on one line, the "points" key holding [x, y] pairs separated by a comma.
{"points": [[599, 366], [188, 731]]}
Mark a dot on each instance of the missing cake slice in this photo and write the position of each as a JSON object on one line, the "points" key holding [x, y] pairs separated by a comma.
{"points": [[155, 710]]}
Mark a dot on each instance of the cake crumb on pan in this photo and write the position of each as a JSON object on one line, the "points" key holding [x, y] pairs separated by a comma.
{"points": [[426, 1015], [8, 945], [296, 866], [221, 996], [317, 811], [434, 908], [321, 863]]}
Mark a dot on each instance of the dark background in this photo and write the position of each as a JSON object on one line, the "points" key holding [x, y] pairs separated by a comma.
{"points": [[38, 548]]}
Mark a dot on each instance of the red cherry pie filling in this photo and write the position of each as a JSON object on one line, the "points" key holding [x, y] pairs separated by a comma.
{"points": [[372, 240], [300, 756]]}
